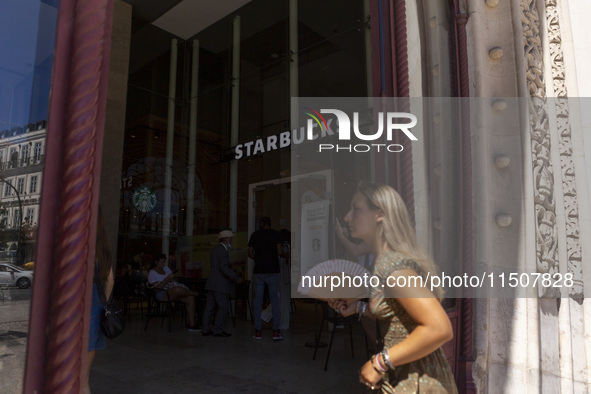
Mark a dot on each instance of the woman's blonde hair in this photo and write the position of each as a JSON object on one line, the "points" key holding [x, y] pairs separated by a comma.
{"points": [[396, 229], [103, 250]]}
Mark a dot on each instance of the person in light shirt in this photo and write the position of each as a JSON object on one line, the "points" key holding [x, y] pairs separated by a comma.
{"points": [[162, 279]]}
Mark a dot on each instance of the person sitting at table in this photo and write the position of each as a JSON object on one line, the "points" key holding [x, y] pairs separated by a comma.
{"points": [[161, 278]]}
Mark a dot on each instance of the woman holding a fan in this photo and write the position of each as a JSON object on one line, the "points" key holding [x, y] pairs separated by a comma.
{"points": [[414, 323]]}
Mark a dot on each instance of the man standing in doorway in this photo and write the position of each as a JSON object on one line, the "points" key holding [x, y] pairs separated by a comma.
{"points": [[264, 247], [219, 286]]}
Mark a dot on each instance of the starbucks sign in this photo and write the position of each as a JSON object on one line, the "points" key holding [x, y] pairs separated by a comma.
{"points": [[144, 199]]}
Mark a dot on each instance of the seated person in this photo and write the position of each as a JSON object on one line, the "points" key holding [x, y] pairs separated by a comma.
{"points": [[161, 278]]}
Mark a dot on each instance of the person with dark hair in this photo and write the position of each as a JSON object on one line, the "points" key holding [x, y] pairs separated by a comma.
{"points": [[219, 286], [414, 323], [104, 268], [161, 278], [265, 247]]}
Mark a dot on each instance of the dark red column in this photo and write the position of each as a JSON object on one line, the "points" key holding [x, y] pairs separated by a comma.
{"points": [[60, 310], [402, 178], [391, 79], [465, 359]]}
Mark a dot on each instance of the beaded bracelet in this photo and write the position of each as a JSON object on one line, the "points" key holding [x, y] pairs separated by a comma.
{"points": [[386, 358], [378, 365]]}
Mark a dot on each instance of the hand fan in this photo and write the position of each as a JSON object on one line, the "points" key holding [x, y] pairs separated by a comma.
{"points": [[335, 279]]}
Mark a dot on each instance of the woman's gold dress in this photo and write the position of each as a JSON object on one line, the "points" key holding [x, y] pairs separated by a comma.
{"points": [[430, 374]]}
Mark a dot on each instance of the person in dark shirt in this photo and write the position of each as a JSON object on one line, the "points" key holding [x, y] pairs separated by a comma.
{"points": [[264, 247]]}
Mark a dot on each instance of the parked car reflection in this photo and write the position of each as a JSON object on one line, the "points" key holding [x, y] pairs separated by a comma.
{"points": [[11, 275]]}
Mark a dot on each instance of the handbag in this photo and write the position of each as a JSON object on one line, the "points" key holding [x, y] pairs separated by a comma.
{"points": [[112, 320]]}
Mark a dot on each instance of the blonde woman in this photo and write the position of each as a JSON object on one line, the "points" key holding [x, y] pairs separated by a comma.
{"points": [[411, 317]]}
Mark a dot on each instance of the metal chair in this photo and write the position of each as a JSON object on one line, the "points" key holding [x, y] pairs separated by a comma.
{"points": [[137, 295], [157, 308], [242, 295], [128, 291], [197, 285], [328, 315]]}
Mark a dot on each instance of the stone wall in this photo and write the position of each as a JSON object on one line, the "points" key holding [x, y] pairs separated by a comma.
{"points": [[539, 343]]}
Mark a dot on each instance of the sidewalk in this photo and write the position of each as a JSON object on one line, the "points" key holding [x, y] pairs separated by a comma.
{"points": [[157, 361], [14, 328]]}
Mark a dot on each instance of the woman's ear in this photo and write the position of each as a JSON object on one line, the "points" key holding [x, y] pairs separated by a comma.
{"points": [[379, 216]]}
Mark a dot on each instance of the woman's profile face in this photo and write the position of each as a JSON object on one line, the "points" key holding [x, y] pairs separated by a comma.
{"points": [[363, 220], [160, 263]]}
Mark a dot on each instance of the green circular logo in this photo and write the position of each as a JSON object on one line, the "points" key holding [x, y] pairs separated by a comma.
{"points": [[144, 199]]}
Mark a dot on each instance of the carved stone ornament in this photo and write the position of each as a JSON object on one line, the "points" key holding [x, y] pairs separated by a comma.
{"points": [[544, 203], [499, 105], [502, 161], [496, 53], [565, 148], [503, 220]]}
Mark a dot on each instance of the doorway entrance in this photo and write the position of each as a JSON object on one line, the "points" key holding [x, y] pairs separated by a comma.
{"points": [[282, 201], [270, 199], [274, 199]]}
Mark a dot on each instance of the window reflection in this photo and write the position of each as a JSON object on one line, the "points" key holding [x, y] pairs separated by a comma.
{"points": [[27, 28], [329, 59]]}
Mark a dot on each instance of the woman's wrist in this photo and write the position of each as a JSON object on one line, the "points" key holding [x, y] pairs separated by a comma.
{"points": [[381, 362], [378, 365], [386, 358]]}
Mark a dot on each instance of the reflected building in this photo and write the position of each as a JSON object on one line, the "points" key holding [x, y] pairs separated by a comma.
{"points": [[21, 172]]}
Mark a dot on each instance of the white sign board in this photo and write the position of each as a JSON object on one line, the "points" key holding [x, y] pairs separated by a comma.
{"points": [[314, 236]]}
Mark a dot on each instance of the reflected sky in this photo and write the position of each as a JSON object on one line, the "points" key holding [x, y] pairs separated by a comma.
{"points": [[27, 38]]}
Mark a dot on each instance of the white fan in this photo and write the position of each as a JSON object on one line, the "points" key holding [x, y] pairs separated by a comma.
{"points": [[318, 282]]}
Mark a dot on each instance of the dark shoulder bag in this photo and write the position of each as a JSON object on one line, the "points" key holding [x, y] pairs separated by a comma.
{"points": [[112, 320]]}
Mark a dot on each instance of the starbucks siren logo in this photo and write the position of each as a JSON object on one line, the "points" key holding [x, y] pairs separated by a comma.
{"points": [[144, 199]]}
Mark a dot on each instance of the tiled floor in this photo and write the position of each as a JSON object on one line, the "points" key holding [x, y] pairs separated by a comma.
{"points": [[157, 361]]}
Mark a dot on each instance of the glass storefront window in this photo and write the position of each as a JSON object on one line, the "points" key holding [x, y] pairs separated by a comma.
{"points": [[28, 31], [332, 49], [329, 58], [179, 166]]}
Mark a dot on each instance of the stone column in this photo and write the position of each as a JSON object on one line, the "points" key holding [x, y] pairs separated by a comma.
{"points": [[534, 344], [115, 120]]}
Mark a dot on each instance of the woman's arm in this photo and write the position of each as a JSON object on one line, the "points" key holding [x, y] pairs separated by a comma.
{"points": [[433, 326], [109, 283], [163, 282], [433, 330]]}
